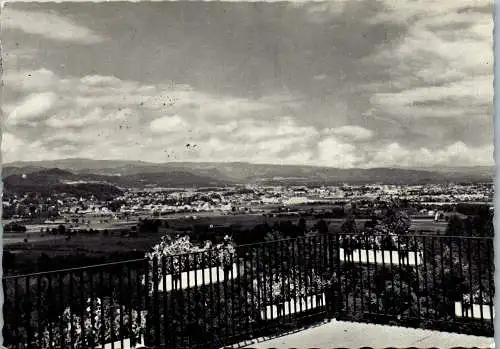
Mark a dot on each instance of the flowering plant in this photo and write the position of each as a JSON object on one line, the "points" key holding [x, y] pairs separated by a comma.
{"points": [[388, 241], [177, 248], [478, 297], [226, 252], [102, 320], [183, 255], [280, 288]]}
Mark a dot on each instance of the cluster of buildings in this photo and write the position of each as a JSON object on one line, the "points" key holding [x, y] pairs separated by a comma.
{"points": [[238, 199]]}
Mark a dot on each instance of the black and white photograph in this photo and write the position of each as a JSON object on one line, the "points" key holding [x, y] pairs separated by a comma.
{"points": [[209, 174]]}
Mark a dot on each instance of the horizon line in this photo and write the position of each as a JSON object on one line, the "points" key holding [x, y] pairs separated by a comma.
{"points": [[244, 162]]}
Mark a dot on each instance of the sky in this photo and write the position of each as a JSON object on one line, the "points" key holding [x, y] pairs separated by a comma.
{"points": [[374, 83]]}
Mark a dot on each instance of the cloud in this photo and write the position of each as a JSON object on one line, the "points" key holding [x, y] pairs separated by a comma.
{"points": [[48, 25], [100, 81], [32, 81], [70, 119], [32, 108], [320, 77], [109, 118], [10, 146], [442, 67], [15, 149], [335, 153], [167, 124], [457, 154], [413, 75], [352, 132], [322, 11], [103, 116]]}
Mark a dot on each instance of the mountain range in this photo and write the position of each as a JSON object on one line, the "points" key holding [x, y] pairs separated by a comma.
{"points": [[59, 174]]}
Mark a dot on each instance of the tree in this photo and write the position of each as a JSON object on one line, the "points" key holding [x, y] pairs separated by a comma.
{"points": [[321, 226], [372, 223], [396, 221], [455, 226], [287, 228], [483, 225], [14, 227], [8, 260], [133, 231], [61, 229], [302, 227], [349, 226], [468, 226]]}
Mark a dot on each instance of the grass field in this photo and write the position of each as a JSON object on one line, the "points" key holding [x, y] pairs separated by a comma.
{"points": [[99, 245], [251, 220], [80, 250]]}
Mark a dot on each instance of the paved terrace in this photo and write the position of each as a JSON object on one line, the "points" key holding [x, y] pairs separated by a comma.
{"points": [[343, 334]]}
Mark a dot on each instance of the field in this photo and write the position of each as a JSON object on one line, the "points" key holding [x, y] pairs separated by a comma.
{"points": [[97, 248], [250, 220]]}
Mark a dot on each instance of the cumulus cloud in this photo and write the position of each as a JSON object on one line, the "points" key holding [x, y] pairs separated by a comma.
{"points": [[69, 119], [322, 11], [103, 116], [16, 149], [32, 81], [442, 66], [32, 108], [335, 153], [166, 124], [48, 25], [456, 154], [10, 146], [352, 132], [100, 81], [386, 83]]}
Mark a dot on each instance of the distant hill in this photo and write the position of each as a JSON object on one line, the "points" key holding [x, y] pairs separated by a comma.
{"points": [[172, 179], [180, 174], [481, 171], [47, 181]]}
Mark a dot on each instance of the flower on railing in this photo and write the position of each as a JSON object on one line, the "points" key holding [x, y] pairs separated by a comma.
{"points": [[177, 255], [281, 288], [389, 242], [95, 331], [321, 282], [174, 247], [478, 297], [201, 255], [226, 252]]}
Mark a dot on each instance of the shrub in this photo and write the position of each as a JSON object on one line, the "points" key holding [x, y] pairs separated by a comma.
{"points": [[69, 331]]}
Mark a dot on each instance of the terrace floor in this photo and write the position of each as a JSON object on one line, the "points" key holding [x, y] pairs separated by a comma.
{"points": [[343, 334]]}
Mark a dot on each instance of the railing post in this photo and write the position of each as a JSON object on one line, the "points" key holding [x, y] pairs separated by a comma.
{"points": [[147, 304], [156, 302], [331, 299]]}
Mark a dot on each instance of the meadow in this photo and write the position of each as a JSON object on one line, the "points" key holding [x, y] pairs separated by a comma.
{"points": [[55, 251]]}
